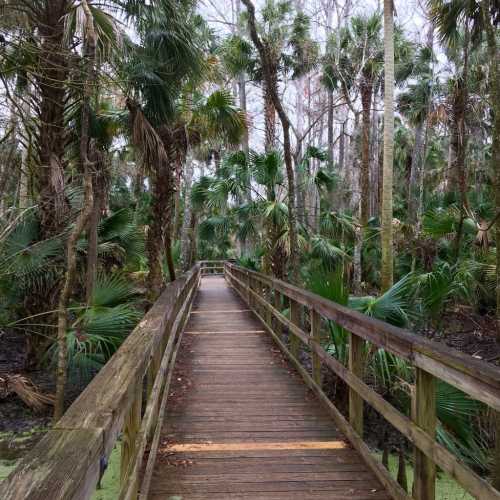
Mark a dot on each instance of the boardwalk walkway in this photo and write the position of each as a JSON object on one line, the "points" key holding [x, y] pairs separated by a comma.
{"points": [[241, 424]]}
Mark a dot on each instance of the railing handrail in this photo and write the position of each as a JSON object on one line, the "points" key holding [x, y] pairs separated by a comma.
{"points": [[69, 460], [482, 380], [430, 359]]}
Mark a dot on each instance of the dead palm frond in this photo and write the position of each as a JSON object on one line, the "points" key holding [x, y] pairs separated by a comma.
{"points": [[25, 389]]}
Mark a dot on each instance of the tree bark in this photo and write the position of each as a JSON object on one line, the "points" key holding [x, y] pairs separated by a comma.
{"points": [[186, 252], [89, 76], [51, 141], [415, 172], [366, 102], [271, 83], [330, 127], [269, 120], [386, 273], [99, 190]]}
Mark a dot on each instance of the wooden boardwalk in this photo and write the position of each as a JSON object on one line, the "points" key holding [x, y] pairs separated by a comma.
{"points": [[241, 424]]}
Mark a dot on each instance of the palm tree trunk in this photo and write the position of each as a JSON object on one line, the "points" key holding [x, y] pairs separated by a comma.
{"points": [[374, 161], [366, 102], [51, 82], [270, 77], [99, 189], [71, 253], [386, 273], [415, 173], [188, 215], [330, 127], [459, 139], [269, 120]]}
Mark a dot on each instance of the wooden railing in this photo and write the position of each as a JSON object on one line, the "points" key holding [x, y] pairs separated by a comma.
{"points": [[71, 458], [214, 267], [267, 297]]}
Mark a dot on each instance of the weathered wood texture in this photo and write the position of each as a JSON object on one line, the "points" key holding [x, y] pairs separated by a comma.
{"points": [[68, 461], [431, 360], [240, 423]]}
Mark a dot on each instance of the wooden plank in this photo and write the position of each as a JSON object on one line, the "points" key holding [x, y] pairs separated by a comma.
{"points": [[425, 418], [296, 319], [356, 367], [316, 336], [382, 474], [131, 428], [60, 472], [242, 415], [183, 488], [289, 495]]}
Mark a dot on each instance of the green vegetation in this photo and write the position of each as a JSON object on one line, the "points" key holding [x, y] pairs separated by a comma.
{"points": [[446, 488], [332, 145]]}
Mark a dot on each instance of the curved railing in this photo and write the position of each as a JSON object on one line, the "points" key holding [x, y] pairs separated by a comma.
{"points": [[70, 459], [266, 296]]}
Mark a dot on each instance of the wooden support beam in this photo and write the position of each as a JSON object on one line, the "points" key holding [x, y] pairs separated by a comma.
{"points": [[295, 317], [496, 458], [315, 335], [277, 305], [356, 362], [131, 427], [424, 487]]}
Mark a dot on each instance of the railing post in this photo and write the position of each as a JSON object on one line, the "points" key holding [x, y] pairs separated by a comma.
{"points": [[356, 361], [277, 305], [268, 314], [316, 337], [250, 288], [296, 320], [424, 486], [131, 427], [496, 458]]}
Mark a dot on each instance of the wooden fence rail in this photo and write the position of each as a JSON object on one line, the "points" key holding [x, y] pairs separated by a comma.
{"points": [[432, 361], [70, 459], [214, 267]]}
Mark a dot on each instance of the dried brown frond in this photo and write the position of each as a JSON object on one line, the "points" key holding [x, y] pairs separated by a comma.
{"points": [[25, 390], [145, 138]]}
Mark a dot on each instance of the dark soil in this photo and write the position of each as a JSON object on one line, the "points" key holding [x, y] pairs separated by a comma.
{"points": [[15, 415], [470, 333]]}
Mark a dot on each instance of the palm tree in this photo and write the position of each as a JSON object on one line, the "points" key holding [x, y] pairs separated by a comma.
{"points": [[269, 69], [386, 274], [478, 19]]}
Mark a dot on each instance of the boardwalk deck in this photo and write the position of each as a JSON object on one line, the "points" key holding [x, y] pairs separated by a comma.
{"points": [[241, 424]]}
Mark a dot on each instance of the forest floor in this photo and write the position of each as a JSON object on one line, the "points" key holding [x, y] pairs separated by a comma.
{"points": [[469, 333]]}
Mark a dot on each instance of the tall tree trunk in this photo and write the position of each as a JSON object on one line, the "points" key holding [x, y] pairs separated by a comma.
{"points": [[374, 161], [269, 119], [494, 61], [415, 194], [99, 190], [186, 251], [415, 172], [341, 147], [366, 102], [330, 127], [459, 139], [89, 77], [177, 203], [270, 78], [386, 272], [51, 83]]}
